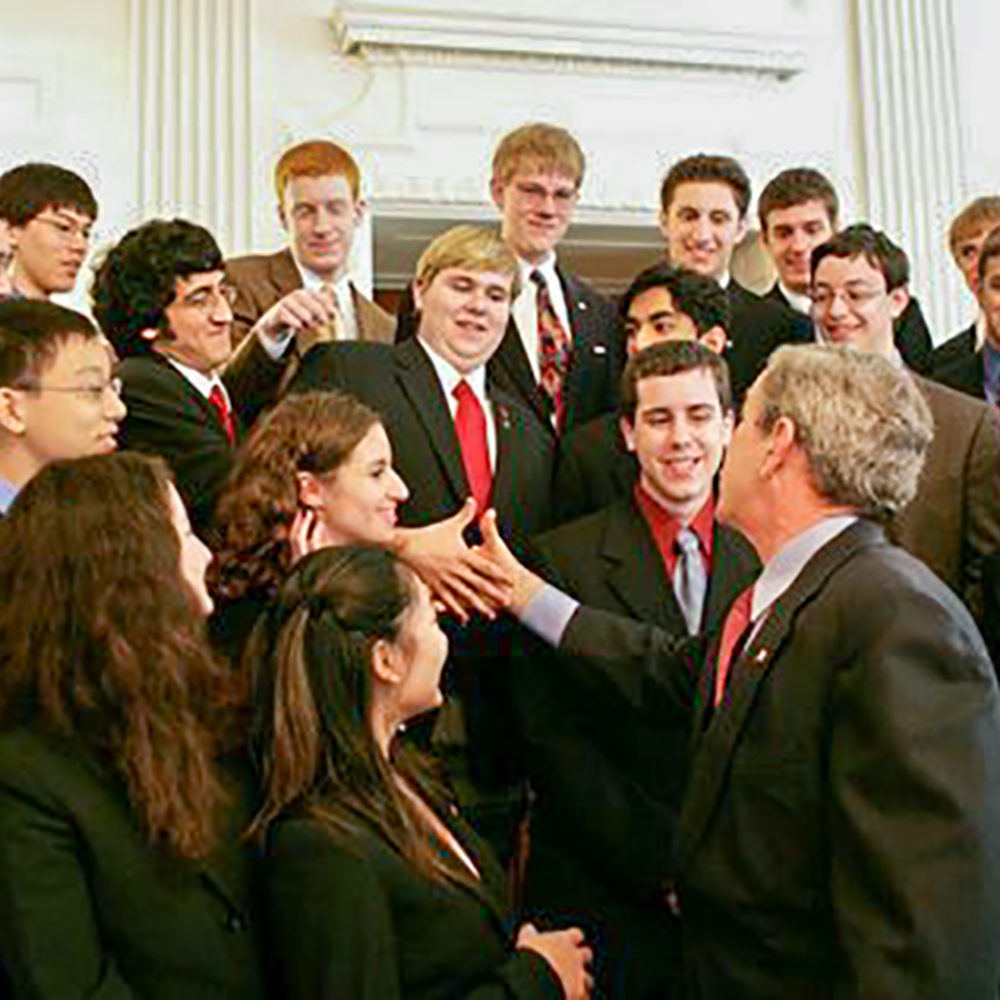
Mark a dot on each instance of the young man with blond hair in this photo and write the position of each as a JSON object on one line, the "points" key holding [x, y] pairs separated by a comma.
{"points": [[302, 294], [559, 353]]}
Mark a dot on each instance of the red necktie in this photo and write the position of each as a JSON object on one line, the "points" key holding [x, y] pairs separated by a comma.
{"points": [[217, 399], [737, 623], [470, 426], [554, 345]]}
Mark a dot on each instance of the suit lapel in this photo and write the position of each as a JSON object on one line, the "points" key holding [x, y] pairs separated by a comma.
{"points": [[714, 750], [284, 273], [419, 382], [511, 372], [726, 569]]}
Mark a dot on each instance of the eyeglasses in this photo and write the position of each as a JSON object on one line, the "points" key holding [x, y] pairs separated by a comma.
{"points": [[853, 298], [204, 299], [93, 393], [67, 229], [536, 194]]}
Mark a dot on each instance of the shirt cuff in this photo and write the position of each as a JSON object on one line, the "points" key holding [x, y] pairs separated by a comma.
{"points": [[548, 613], [276, 345]]}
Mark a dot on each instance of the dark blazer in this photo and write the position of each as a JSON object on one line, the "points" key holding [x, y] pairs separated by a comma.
{"points": [[350, 918], [910, 333], [591, 385], [608, 780], [88, 908], [756, 327], [953, 522], [840, 788], [168, 417], [958, 364], [261, 280]]}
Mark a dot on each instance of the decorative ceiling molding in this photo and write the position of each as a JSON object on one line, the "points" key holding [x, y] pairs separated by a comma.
{"points": [[362, 26]]}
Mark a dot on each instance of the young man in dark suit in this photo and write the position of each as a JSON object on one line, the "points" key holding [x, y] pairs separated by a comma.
{"points": [[161, 297], [455, 436], [704, 202], [859, 282], [838, 835], [798, 211], [59, 397], [559, 355], [959, 362], [663, 303], [302, 294], [594, 796]]}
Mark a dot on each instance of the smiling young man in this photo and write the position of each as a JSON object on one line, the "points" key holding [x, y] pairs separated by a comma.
{"points": [[49, 213], [59, 397], [302, 294], [162, 299], [953, 522], [704, 202], [558, 355]]}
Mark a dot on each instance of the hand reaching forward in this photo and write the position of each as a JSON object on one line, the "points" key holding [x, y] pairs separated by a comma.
{"points": [[524, 584], [461, 579], [567, 952]]}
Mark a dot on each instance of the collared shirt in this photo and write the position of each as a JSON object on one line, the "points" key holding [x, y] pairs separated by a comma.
{"points": [[7, 493], [203, 384], [525, 307], [980, 329], [800, 303], [664, 527], [449, 377], [991, 372]]}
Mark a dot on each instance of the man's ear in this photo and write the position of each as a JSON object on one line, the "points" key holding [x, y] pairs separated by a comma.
{"points": [[418, 295], [780, 447], [282, 218], [715, 339], [899, 299], [661, 220], [497, 191], [741, 230], [12, 410], [628, 432], [728, 422], [310, 490]]}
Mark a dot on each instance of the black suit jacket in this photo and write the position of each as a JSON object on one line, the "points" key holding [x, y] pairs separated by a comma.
{"points": [[910, 333], [849, 781], [959, 365], [591, 385], [168, 417], [88, 908], [608, 780]]}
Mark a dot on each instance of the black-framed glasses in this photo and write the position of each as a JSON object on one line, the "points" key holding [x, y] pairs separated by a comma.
{"points": [[93, 392]]}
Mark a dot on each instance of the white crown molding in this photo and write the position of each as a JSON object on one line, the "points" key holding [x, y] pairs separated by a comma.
{"points": [[359, 25]]}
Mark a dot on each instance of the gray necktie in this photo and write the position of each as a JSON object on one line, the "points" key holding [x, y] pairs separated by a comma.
{"points": [[690, 581]]}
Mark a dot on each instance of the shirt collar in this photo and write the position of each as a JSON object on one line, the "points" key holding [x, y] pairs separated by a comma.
{"points": [[800, 303], [7, 493], [449, 376], [665, 526], [783, 568], [980, 328], [547, 267], [314, 282], [203, 383]]}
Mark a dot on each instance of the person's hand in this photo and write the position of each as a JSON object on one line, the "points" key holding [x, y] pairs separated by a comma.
{"points": [[307, 533], [524, 584], [567, 952], [460, 579], [299, 310]]}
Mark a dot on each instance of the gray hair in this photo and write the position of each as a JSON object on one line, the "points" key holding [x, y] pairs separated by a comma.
{"points": [[862, 422]]}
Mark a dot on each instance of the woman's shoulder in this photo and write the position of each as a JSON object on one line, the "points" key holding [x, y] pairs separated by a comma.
{"points": [[29, 753]]}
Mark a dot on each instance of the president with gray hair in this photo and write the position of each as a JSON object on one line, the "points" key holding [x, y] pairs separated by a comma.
{"points": [[840, 832]]}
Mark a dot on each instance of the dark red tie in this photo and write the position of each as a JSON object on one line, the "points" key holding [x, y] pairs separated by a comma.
{"points": [[217, 399], [737, 623], [470, 426]]}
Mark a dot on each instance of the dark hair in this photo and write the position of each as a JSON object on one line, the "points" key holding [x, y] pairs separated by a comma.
{"points": [[991, 249], [795, 187], [313, 697], [671, 358], [29, 189], [102, 641], [313, 432], [31, 334], [705, 168], [862, 241], [137, 279], [701, 299]]}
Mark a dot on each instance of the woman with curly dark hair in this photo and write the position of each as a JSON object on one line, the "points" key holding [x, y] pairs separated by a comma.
{"points": [[376, 889], [120, 869]]}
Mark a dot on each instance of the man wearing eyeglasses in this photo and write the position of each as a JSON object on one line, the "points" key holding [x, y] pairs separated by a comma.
{"points": [[161, 297], [560, 355], [859, 281], [48, 212], [58, 394]]}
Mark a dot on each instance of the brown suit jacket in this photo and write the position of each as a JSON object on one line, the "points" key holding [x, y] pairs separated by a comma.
{"points": [[260, 280], [953, 523]]}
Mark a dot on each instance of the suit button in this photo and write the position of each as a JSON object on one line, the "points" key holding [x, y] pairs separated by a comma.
{"points": [[672, 899], [234, 922]]}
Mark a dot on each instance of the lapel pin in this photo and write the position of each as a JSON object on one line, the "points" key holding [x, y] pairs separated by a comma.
{"points": [[760, 657], [582, 306], [600, 349]]}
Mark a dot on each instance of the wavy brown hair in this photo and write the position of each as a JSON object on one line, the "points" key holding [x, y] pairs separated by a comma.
{"points": [[313, 432], [103, 642], [313, 734]]}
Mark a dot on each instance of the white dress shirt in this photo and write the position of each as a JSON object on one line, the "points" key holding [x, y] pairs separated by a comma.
{"points": [[204, 384], [800, 303]]}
